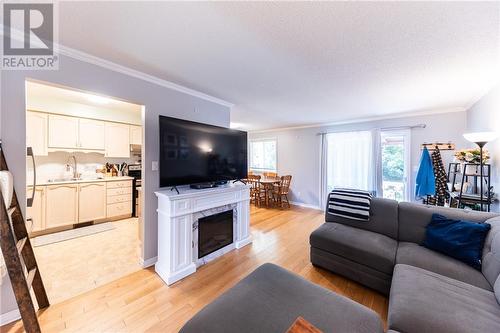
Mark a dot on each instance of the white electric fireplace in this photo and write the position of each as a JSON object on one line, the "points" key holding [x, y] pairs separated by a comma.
{"points": [[197, 226]]}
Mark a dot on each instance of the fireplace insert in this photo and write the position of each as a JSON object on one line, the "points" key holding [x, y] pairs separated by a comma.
{"points": [[214, 232]]}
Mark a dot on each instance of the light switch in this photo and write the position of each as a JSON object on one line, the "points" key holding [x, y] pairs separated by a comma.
{"points": [[154, 166]]}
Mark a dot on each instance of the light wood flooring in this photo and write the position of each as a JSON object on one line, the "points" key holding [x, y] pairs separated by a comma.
{"points": [[141, 302]]}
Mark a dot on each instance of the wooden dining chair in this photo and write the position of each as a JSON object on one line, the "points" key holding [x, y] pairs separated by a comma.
{"points": [[256, 190], [281, 191]]}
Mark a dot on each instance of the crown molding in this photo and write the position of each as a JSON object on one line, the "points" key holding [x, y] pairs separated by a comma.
{"points": [[91, 59], [60, 49], [365, 120]]}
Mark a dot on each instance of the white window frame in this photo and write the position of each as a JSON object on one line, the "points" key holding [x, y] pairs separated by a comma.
{"points": [[250, 167]]}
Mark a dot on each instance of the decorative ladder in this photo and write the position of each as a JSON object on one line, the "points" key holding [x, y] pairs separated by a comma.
{"points": [[20, 259]]}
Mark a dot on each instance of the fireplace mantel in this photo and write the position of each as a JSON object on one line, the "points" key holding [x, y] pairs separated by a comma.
{"points": [[176, 215]]}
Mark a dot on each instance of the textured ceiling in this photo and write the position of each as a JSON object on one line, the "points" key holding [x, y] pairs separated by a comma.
{"points": [[299, 63]]}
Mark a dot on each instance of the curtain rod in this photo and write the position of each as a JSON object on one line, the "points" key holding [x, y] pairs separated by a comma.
{"points": [[378, 128]]}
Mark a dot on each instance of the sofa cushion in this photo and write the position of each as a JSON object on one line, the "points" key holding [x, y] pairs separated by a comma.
{"points": [[361, 246], [419, 256], [363, 274], [413, 219], [271, 298], [383, 218], [491, 256], [422, 301], [458, 239]]}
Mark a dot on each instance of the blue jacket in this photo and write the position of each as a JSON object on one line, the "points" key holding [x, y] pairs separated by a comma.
{"points": [[425, 182]]}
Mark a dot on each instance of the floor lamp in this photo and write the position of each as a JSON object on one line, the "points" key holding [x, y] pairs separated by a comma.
{"points": [[481, 139]]}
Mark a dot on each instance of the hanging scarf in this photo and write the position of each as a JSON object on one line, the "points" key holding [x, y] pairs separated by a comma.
{"points": [[440, 177]]}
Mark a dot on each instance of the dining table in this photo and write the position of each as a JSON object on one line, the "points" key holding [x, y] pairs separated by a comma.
{"points": [[268, 184]]}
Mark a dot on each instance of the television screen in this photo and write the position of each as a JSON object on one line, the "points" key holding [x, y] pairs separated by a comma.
{"points": [[192, 153]]}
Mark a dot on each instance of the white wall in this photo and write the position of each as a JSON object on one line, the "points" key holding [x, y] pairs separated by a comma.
{"points": [[299, 149], [484, 115], [158, 100]]}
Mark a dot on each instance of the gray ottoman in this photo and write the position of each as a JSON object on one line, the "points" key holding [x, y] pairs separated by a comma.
{"points": [[271, 298]]}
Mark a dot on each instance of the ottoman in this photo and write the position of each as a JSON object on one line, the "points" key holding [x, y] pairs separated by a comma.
{"points": [[271, 298]]}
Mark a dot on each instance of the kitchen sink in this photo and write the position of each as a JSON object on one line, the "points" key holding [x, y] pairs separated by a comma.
{"points": [[59, 180]]}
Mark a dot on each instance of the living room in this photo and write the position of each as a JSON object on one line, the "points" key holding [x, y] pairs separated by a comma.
{"points": [[290, 104]]}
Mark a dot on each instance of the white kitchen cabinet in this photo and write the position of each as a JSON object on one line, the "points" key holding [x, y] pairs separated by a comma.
{"points": [[119, 198], [92, 201], [91, 134], [117, 140], [135, 135], [63, 132], [36, 132], [61, 205], [37, 211]]}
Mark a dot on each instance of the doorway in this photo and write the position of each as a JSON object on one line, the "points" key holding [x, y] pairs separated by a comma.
{"points": [[85, 181], [395, 164]]}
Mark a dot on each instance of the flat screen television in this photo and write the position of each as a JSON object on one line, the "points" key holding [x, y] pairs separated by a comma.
{"points": [[195, 153]]}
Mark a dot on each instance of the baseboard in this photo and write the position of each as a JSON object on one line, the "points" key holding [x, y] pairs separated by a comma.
{"points": [[9, 317], [301, 204], [148, 262]]}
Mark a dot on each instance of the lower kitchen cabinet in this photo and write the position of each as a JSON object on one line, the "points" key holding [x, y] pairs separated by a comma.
{"points": [[61, 205], [119, 199], [92, 202], [37, 211]]}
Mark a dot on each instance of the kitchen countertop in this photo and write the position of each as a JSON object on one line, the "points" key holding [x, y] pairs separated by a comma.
{"points": [[106, 179]]}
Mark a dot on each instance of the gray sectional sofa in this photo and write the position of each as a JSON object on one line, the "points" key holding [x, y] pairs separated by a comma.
{"points": [[429, 291]]}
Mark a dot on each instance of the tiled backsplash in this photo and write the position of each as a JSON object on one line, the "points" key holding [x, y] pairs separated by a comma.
{"points": [[54, 165]]}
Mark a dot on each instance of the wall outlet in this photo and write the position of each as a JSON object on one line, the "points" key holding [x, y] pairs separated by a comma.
{"points": [[154, 166]]}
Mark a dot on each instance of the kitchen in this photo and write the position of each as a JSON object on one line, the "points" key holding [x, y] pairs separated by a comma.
{"points": [[84, 180]]}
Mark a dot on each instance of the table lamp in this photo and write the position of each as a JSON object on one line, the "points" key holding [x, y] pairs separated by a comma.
{"points": [[481, 139]]}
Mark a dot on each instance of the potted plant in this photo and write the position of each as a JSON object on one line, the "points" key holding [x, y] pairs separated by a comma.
{"points": [[471, 156]]}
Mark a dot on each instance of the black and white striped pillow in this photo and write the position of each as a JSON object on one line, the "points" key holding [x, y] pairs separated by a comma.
{"points": [[349, 203]]}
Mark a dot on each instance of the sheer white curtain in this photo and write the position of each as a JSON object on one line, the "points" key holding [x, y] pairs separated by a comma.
{"points": [[350, 160]]}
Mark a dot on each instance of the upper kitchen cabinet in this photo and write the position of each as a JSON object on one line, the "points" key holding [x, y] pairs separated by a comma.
{"points": [[75, 133], [117, 140], [36, 132], [91, 134], [63, 132], [135, 135]]}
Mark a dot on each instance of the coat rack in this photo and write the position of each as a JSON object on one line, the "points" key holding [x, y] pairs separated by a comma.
{"points": [[439, 145]]}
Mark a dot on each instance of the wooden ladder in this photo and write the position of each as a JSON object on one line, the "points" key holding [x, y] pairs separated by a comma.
{"points": [[20, 259]]}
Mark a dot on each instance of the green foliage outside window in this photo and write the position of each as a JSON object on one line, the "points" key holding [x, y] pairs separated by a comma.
{"points": [[392, 162]]}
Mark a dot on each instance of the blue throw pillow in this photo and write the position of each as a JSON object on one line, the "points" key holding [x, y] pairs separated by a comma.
{"points": [[461, 240]]}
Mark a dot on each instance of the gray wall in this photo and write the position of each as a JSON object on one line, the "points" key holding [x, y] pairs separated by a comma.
{"points": [[299, 149], [484, 115], [73, 73]]}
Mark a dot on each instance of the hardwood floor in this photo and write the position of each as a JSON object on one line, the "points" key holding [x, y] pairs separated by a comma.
{"points": [[141, 302]]}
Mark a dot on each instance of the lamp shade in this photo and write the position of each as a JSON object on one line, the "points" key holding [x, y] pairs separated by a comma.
{"points": [[482, 137]]}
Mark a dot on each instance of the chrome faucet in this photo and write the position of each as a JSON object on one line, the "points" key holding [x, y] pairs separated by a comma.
{"points": [[76, 175]]}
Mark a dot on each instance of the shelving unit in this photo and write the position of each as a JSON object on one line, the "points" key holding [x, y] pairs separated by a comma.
{"points": [[466, 172]]}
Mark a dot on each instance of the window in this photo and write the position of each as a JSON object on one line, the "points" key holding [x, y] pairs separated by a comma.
{"points": [[263, 154], [349, 160]]}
